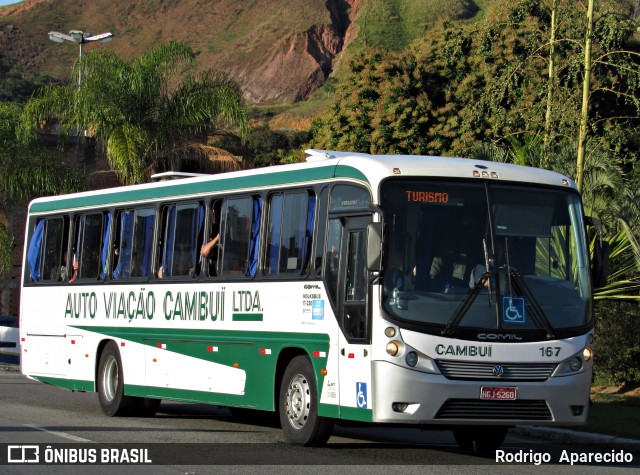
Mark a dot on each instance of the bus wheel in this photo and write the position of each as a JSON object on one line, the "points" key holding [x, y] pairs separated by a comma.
{"points": [[480, 439], [113, 402], [298, 406]]}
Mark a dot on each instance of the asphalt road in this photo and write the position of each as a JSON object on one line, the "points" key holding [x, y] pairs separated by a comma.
{"points": [[188, 438]]}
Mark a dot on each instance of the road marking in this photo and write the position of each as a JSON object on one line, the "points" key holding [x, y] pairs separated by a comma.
{"points": [[64, 435]]}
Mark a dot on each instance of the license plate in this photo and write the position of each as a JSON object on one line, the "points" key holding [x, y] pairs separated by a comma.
{"points": [[498, 393]]}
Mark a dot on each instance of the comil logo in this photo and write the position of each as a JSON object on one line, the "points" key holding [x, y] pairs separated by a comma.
{"points": [[23, 454]]}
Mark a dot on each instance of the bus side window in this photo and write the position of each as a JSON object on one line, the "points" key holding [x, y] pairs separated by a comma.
{"points": [[142, 243], [235, 240], [182, 239], [87, 246], [35, 251], [321, 230], [122, 246], [165, 240], [133, 244], [254, 238], [274, 225], [332, 259], [290, 224], [47, 254], [188, 239], [210, 252], [104, 252]]}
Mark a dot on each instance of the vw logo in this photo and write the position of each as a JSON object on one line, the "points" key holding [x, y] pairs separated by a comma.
{"points": [[498, 370]]}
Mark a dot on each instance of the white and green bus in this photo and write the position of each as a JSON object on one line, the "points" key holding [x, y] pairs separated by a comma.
{"points": [[436, 292]]}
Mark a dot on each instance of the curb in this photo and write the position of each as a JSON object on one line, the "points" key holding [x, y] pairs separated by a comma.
{"points": [[566, 436]]}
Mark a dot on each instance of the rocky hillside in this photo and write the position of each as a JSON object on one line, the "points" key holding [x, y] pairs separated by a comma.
{"points": [[280, 51]]}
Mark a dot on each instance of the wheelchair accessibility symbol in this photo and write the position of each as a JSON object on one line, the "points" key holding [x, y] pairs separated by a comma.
{"points": [[361, 395], [513, 310]]}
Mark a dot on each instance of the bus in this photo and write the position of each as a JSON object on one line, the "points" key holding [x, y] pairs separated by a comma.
{"points": [[433, 292]]}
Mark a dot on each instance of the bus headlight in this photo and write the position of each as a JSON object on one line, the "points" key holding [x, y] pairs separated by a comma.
{"points": [[411, 358], [393, 348], [390, 332], [575, 363]]}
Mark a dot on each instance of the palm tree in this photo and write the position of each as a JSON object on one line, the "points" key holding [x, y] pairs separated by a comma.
{"points": [[146, 112], [623, 282]]}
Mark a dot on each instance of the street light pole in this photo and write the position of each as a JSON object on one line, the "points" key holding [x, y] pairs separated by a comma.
{"points": [[79, 37]]}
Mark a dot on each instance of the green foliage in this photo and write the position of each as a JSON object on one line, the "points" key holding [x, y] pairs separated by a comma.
{"points": [[617, 348], [6, 247], [147, 112], [382, 108], [14, 87], [393, 24], [27, 170], [265, 147], [468, 82]]}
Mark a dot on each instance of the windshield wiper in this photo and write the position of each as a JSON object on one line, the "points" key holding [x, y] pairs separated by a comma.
{"points": [[453, 323], [537, 313]]}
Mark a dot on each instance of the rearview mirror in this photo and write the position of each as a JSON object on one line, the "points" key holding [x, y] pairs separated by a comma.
{"points": [[600, 256], [374, 247]]}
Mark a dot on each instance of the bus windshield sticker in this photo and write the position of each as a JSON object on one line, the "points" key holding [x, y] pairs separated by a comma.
{"points": [[513, 310]]}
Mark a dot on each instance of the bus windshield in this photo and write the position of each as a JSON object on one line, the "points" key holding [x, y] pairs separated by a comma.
{"points": [[484, 256]]}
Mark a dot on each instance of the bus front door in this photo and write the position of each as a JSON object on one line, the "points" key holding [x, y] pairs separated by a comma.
{"points": [[354, 319]]}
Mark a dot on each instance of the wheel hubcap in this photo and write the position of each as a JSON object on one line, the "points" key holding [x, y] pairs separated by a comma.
{"points": [[298, 401], [110, 379]]}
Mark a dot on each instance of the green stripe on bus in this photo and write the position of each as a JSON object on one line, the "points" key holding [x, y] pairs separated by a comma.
{"points": [[356, 414], [329, 410], [135, 194], [246, 317], [245, 350]]}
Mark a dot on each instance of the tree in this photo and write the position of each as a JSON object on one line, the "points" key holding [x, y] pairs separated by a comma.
{"points": [[148, 113], [486, 81], [27, 170]]}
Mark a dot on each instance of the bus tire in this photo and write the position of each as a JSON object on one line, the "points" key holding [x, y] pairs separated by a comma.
{"points": [[298, 406], [480, 439], [113, 401]]}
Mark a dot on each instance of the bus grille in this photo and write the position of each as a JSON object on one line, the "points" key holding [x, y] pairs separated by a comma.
{"points": [[485, 371], [475, 409]]}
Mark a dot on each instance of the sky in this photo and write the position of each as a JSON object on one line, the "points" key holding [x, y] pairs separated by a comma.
{"points": [[7, 2]]}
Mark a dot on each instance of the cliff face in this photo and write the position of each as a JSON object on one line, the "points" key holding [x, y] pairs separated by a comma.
{"points": [[259, 44], [295, 66]]}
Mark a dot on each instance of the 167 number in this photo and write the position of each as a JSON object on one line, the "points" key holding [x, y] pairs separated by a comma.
{"points": [[549, 351]]}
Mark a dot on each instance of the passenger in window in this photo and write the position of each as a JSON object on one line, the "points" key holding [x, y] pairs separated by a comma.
{"points": [[209, 248], [210, 254], [75, 267], [61, 274]]}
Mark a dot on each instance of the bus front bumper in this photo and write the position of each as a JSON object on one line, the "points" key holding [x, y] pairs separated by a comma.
{"points": [[402, 395]]}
